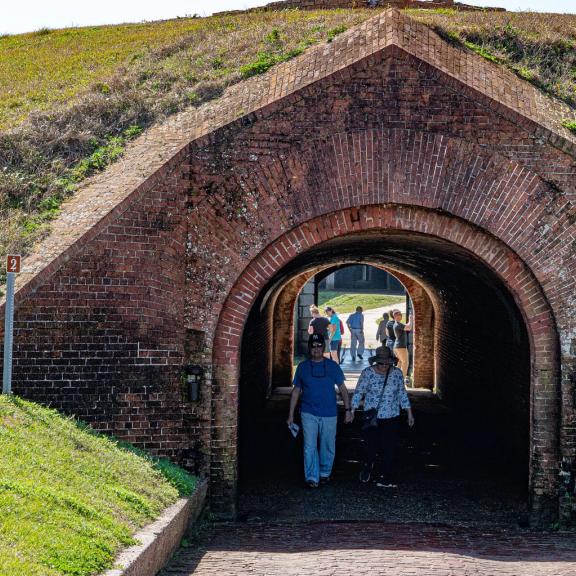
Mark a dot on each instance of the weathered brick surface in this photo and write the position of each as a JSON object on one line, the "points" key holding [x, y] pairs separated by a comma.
{"points": [[372, 548], [387, 130]]}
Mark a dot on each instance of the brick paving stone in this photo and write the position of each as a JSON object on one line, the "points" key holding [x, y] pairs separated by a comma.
{"points": [[362, 548]]}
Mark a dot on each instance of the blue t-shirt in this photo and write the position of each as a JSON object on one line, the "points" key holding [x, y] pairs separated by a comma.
{"points": [[317, 380], [356, 320], [335, 321]]}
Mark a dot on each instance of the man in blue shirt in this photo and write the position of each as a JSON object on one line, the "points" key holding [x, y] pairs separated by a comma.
{"points": [[314, 384], [355, 324]]}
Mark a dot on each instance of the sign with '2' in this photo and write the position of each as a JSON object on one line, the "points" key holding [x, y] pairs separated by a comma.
{"points": [[13, 263]]}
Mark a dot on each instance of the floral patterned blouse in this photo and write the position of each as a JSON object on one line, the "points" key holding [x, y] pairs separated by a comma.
{"points": [[369, 388]]}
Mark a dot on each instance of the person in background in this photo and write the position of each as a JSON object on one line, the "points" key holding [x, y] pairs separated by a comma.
{"points": [[390, 335], [315, 383], [381, 332], [335, 333], [355, 324], [340, 355], [381, 388], [401, 342], [319, 325]]}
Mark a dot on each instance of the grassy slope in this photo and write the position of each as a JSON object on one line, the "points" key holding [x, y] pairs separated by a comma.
{"points": [[51, 66], [69, 498], [540, 48], [344, 302], [118, 80]]}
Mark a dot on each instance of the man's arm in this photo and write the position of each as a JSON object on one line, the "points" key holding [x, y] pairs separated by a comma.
{"points": [[346, 399], [294, 397]]}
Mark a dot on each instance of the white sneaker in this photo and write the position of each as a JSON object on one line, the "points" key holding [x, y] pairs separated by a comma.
{"points": [[382, 484]]}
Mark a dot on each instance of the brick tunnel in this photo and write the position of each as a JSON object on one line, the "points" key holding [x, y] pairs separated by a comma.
{"points": [[480, 365]]}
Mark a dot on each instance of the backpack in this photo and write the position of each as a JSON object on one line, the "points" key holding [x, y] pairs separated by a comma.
{"points": [[341, 327]]}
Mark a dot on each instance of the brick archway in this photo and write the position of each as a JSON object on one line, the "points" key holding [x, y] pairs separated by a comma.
{"points": [[493, 253]]}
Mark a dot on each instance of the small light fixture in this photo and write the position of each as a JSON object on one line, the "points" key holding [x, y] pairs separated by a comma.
{"points": [[194, 375]]}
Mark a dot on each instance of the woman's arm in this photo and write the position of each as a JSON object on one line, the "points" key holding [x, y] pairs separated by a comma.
{"points": [[404, 400], [360, 391]]}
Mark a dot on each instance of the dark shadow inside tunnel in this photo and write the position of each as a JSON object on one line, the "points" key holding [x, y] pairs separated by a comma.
{"points": [[472, 430]]}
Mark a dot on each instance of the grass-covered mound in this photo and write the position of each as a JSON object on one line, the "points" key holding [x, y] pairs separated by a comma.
{"points": [[71, 99], [71, 498]]}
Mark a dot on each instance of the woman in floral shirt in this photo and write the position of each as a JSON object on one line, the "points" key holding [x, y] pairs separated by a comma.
{"points": [[381, 386]]}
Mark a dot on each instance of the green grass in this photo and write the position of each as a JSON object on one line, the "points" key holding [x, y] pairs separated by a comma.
{"points": [[45, 67], [71, 498], [344, 302], [571, 125]]}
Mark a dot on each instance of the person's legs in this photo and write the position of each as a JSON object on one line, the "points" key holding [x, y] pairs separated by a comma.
{"points": [[361, 342], [310, 429], [327, 444], [388, 441], [353, 343], [369, 451], [402, 355], [334, 350]]}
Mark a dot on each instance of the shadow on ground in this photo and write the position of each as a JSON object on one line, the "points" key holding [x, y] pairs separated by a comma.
{"points": [[441, 477]]}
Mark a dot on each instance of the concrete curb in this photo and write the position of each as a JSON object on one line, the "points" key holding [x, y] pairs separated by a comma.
{"points": [[160, 539]]}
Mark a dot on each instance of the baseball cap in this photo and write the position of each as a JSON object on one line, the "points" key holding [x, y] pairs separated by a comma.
{"points": [[315, 339]]}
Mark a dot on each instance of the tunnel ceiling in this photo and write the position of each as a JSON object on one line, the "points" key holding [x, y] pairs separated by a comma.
{"points": [[443, 267]]}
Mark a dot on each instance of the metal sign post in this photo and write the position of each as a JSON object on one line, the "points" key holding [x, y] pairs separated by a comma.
{"points": [[12, 268]]}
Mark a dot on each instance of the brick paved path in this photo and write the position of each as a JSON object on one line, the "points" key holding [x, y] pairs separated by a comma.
{"points": [[362, 548]]}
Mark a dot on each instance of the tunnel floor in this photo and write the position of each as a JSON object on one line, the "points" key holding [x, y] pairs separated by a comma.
{"points": [[439, 480]]}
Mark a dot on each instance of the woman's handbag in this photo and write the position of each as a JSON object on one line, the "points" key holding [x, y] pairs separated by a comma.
{"points": [[370, 417]]}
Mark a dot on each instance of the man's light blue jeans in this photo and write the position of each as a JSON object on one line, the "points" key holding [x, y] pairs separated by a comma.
{"points": [[319, 445], [356, 340]]}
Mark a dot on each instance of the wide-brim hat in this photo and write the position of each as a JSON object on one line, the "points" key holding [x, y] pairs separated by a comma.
{"points": [[383, 356]]}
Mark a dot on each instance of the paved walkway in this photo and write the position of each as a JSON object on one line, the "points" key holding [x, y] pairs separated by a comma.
{"points": [[376, 549], [370, 322]]}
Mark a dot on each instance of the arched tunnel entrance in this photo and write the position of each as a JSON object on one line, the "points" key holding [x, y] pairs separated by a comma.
{"points": [[472, 404]]}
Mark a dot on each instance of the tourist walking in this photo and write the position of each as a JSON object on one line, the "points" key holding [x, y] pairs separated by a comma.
{"points": [[381, 332], [382, 391], [355, 324], [314, 385], [401, 342], [390, 336], [319, 325], [335, 332]]}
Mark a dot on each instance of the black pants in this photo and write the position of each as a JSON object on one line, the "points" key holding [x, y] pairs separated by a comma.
{"points": [[381, 441]]}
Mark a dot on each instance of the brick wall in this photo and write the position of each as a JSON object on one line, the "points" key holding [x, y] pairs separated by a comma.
{"points": [[423, 343], [102, 339]]}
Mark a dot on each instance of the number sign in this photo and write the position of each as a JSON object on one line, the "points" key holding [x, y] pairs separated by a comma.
{"points": [[13, 263]]}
